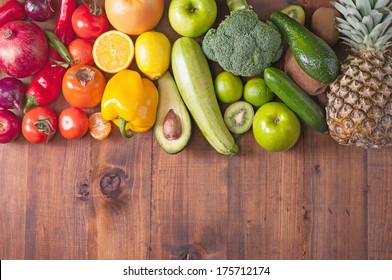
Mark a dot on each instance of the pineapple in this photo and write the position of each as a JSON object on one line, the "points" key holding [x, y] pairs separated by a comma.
{"points": [[359, 109]]}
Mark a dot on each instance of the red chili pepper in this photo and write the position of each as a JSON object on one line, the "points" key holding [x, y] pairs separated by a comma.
{"points": [[10, 11], [64, 30], [46, 85]]}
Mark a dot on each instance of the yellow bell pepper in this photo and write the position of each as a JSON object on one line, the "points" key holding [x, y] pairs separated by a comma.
{"points": [[130, 101]]}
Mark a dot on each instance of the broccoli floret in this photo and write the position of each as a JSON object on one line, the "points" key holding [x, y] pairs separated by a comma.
{"points": [[242, 44]]}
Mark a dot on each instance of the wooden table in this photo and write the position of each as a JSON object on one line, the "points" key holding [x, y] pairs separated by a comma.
{"points": [[318, 200]]}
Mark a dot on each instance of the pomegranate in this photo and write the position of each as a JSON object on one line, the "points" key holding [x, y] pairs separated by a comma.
{"points": [[23, 49]]}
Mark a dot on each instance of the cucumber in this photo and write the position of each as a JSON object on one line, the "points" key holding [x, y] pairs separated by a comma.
{"points": [[310, 113], [194, 81], [312, 53]]}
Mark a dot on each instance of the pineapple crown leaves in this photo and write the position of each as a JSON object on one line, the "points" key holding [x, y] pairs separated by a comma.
{"points": [[365, 23]]}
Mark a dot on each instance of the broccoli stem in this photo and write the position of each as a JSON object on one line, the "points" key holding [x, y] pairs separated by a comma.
{"points": [[236, 5]]}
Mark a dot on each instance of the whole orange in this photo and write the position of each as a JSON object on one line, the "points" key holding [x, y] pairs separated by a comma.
{"points": [[134, 16]]}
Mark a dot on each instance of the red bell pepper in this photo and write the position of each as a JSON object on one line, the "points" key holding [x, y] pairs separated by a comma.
{"points": [[10, 11], [46, 85]]}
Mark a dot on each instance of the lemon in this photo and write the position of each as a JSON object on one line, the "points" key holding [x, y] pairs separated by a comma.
{"points": [[152, 54]]}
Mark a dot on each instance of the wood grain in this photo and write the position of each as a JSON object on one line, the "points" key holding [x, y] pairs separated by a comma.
{"points": [[128, 199]]}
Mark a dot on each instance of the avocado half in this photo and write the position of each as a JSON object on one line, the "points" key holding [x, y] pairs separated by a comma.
{"points": [[171, 106]]}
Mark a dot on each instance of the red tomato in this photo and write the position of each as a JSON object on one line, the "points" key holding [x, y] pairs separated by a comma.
{"points": [[81, 51], [73, 123], [83, 86], [89, 21], [39, 124]]}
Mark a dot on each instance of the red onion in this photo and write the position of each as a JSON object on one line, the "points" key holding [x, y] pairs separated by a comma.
{"points": [[23, 48], [39, 10], [12, 93]]}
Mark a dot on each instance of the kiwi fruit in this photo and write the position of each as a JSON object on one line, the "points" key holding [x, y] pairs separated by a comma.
{"points": [[238, 117], [302, 79], [296, 12], [323, 24]]}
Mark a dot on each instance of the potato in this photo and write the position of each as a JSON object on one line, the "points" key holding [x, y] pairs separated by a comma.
{"points": [[303, 80], [323, 24]]}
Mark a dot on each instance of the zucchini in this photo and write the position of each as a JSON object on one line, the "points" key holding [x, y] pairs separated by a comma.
{"points": [[194, 81], [312, 53], [296, 99]]}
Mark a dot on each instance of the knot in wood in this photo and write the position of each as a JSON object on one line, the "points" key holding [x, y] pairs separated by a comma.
{"points": [[190, 252], [110, 183], [84, 192]]}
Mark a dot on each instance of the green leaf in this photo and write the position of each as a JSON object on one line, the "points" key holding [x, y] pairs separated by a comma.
{"points": [[368, 42], [342, 9], [352, 11], [377, 17], [362, 27], [380, 4], [368, 22], [363, 7]]}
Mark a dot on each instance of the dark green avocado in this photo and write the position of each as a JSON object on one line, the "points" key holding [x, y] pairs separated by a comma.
{"points": [[312, 53]]}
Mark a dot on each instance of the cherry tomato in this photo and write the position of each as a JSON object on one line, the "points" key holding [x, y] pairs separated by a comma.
{"points": [[39, 125], [9, 126], [83, 86], [73, 123], [81, 51], [89, 21]]}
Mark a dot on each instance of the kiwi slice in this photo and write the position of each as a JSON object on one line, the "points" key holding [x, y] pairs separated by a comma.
{"points": [[238, 117], [296, 12]]}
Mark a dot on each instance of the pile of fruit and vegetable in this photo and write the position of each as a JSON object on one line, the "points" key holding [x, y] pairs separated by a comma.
{"points": [[87, 59]]}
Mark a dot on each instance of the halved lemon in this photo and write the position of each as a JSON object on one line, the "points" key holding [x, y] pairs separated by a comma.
{"points": [[113, 51], [99, 127]]}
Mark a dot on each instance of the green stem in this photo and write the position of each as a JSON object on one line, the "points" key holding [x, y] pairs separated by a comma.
{"points": [[236, 5], [60, 63], [94, 8], [123, 131], [30, 102], [45, 126], [55, 42]]}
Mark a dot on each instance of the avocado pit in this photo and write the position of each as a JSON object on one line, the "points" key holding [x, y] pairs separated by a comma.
{"points": [[172, 126]]}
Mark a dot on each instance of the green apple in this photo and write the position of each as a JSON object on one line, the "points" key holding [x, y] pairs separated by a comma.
{"points": [[192, 18], [275, 127]]}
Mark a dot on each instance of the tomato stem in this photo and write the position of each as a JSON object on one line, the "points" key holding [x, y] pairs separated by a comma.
{"points": [[94, 8], [45, 126]]}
